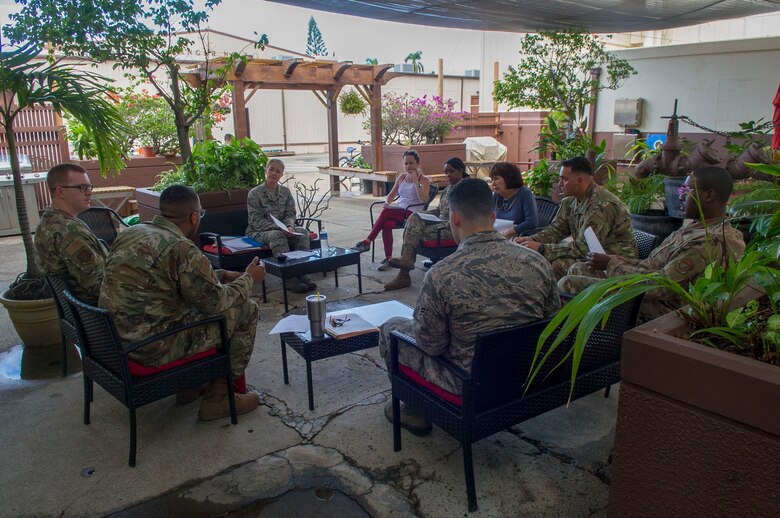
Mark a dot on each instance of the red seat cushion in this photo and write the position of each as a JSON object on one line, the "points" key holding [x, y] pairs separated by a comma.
{"points": [[314, 235], [444, 243], [447, 396], [139, 370], [212, 249]]}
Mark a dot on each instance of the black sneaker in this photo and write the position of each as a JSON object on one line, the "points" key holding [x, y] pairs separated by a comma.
{"points": [[362, 246], [384, 265]]}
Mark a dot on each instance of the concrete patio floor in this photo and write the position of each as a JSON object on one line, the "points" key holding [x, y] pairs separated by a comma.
{"points": [[53, 465]]}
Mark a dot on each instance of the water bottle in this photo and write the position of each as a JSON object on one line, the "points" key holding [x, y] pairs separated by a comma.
{"points": [[324, 242]]}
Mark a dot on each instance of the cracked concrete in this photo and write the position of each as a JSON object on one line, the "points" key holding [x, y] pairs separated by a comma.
{"points": [[53, 465]]}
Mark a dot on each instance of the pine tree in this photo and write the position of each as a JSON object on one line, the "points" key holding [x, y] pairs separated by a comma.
{"points": [[315, 45]]}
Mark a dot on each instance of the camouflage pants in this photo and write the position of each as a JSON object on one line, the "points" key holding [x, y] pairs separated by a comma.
{"points": [[241, 328], [280, 242], [418, 230], [655, 303], [561, 266], [426, 366]]}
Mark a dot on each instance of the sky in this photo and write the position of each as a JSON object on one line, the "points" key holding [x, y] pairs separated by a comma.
{"points": [[350, 37]]}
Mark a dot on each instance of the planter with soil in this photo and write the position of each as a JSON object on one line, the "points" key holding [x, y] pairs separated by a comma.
{"points": [[697, 431]]}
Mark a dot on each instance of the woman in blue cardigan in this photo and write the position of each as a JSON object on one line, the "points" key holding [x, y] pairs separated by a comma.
{"points": [[512, 200]]}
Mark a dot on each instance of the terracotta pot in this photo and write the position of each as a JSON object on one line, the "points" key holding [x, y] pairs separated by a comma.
{"points": [[36, 321], [146, 151], [697, 433]]}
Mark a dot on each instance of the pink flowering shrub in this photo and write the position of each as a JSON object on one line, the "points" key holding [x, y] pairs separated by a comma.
{"points": [[411, 121]]}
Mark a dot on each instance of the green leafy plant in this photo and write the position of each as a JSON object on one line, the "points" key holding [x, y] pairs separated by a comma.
{"points": [[81, 139], [415, 58], [351, 103], [555, 74], [751, 132], [146, 37], [219, 167], [762, 201], [151, 119], [541, 179], [28, 82], [639, 194]]}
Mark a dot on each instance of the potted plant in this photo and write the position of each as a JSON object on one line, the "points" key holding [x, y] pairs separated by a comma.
{"points": [[351, 103], [26, 82], [222, 174], [698, 384], [152, 121], [644, 198]]}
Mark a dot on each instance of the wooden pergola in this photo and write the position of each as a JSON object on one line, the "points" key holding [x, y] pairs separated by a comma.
{"points": [[324, 78]]}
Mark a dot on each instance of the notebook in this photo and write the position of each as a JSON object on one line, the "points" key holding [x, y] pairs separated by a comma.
{"points": [[347, 326]]}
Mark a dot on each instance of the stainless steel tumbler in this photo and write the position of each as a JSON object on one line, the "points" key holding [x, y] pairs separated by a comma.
{"points": [[316, 310]]}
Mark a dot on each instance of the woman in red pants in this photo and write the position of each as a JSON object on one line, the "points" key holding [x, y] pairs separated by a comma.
{"points": [[412, 188]]}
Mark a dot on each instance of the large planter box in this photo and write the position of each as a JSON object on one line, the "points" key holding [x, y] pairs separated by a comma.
{"points": [[698, 431], [138, 171], [432, 156]]}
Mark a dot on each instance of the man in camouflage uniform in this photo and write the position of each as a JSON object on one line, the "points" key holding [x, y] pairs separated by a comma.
{"points": [[269, 199], [418, 230], [585, 205], [64, 244], [683, 255], [487, 284], [156, 279]]}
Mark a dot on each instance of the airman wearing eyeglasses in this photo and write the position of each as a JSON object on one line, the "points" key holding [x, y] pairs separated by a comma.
{"points": [[64, 245], [684, 255]]}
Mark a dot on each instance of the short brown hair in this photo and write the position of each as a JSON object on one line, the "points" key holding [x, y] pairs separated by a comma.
{"points": [[275, 161], [509, 172], [58, 174]]}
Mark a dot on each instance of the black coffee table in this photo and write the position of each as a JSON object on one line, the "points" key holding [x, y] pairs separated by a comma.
{"points": [[337, 258]]}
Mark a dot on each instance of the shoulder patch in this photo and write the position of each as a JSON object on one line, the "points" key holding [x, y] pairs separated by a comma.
{"points": [[73, 248], [684, 266]]}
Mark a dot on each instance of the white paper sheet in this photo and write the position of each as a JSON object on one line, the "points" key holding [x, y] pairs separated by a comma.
{"points": [[299, 254], [283, 226], [502, 225], [429, 217], [376, 314], [593, 242], [291, 324]]}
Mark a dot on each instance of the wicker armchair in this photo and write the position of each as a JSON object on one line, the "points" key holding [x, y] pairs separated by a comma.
{"points": [[105, 362], [645, 243], [59, 286], [104, 223], [494, 396]]}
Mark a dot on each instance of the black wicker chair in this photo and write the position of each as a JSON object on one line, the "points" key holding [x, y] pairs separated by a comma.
{"points": [[104, 223], [547, 209], [215, 225], [494, 396], [407, 212], [437, 249], [105, 362], [59, 286], [645, 243]]}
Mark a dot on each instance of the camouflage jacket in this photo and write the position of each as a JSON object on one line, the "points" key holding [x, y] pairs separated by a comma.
{"points": [[601, 210], [487, 284], [442, 211], [155, 278], [65, 246], [262, 202], [682, 256]]}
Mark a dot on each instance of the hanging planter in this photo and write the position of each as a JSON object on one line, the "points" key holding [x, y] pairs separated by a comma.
{"points": [[351, 103]]}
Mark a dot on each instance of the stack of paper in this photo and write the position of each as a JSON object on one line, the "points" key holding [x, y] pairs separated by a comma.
{"points": [[347, 326], [238, 243]]}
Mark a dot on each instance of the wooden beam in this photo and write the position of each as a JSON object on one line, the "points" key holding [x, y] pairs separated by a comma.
{"points": [[340, 69], [253, 92], [441, 78], [495, 78], [322, 97], [380, 71], [333, 137], [376, 128], [365, 92], [290, 65], [239, 112]]}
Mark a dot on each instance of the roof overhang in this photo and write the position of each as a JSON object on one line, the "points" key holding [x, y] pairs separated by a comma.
{"points": [[597, 16]]}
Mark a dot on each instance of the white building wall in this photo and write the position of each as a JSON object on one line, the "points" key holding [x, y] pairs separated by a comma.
{"points": [[718, 84]]}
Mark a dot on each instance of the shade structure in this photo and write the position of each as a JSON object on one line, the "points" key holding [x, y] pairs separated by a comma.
{"points": [[598, 16], [776, 120]]}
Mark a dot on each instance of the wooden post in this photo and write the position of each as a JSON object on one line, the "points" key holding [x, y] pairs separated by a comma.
{"points": [[239, 111], [495, 78], [333, 138], [376, 128], [595, 75], [441, 78]]}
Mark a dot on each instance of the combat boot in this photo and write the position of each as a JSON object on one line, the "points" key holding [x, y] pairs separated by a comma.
{"points": [[402, 280], [215, 404], [406, 261], [189, 395]]}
